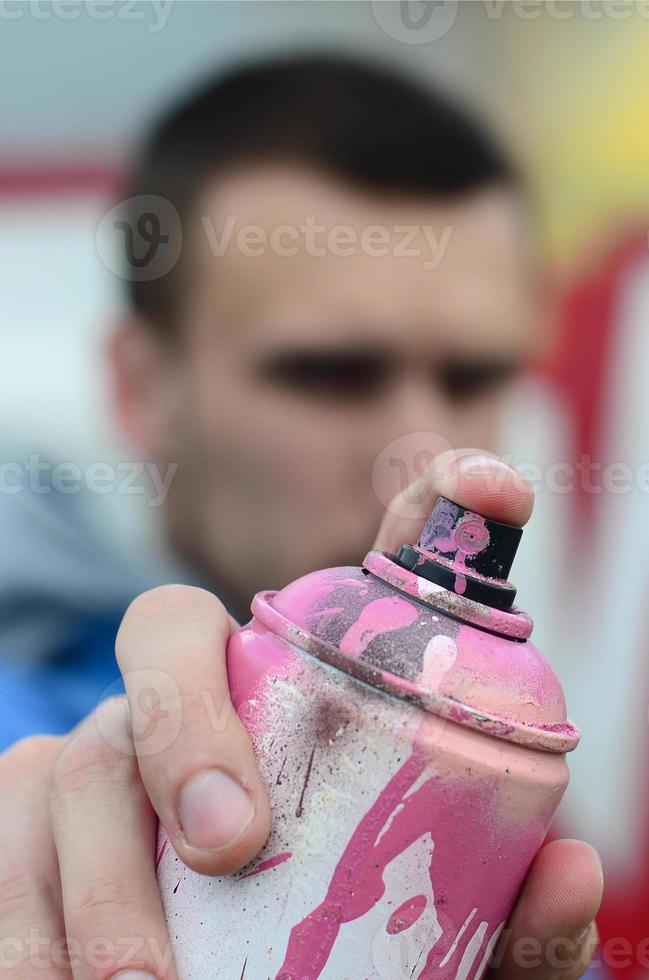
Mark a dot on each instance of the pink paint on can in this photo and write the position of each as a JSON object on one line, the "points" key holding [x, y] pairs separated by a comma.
{"points": [[268, 864], [412, 739], [406, 915], [377, 617]]}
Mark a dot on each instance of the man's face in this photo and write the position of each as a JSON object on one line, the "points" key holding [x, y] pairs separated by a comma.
{"points": [[313, 379]]}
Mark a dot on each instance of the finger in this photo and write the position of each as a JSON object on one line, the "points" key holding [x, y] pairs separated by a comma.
{"points": [[104, 829], [32, 934], [194, 754], [551, 933], [476, 480]]}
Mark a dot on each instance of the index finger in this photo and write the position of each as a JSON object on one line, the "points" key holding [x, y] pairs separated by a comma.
{"points": [[476, 480], [195, 757]]}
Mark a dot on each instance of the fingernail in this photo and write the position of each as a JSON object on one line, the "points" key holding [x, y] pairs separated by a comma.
{"points": [[482, 462], [472, 467], [493, 473], [214, 810], [450, 462]]}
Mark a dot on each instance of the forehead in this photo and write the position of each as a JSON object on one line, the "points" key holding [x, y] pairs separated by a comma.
{"points": [[280, 249]]}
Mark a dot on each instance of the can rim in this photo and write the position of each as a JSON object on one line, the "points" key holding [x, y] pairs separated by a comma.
{"points": [[551, 738], [513, 624]]}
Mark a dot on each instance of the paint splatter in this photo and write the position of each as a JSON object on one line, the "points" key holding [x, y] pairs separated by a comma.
{"points": [[406, 915], [439, 656], [268, 864], [299, 809], [380, 616], [161, 853], [401, 815], [468, 539]]}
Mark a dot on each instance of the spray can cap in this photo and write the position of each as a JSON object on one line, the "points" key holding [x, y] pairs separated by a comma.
{"points": [[466, 553]]}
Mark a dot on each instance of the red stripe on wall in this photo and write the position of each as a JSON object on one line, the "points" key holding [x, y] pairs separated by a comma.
{"points": [[18, 181], [582, 371], [588, 335]]}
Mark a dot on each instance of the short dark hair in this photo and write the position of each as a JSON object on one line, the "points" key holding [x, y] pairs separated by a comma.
{"points": [[355, 120]]}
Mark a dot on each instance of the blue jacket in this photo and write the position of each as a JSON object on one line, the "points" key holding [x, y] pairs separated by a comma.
{"points": [[64, 586], [51, 696]]}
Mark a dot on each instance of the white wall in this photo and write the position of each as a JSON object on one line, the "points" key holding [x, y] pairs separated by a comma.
{"points": [[82, 80]]}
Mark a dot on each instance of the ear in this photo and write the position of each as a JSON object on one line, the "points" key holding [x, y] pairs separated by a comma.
{"points": [[139, 365]]}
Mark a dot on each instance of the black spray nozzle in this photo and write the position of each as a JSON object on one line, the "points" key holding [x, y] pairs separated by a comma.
{"points": [[466, 553]]}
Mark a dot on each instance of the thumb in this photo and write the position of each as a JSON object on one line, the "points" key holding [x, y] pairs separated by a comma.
{"points": [[551, 933]]}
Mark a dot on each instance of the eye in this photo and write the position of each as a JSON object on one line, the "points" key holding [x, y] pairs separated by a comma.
{"points": [[353, 376], [462, 381]]}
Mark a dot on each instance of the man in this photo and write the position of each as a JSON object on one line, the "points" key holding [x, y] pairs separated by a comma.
{"points": [[354, 270]]}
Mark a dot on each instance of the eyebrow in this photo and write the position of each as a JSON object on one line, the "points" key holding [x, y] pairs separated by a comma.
{"points": [[327, 360]]}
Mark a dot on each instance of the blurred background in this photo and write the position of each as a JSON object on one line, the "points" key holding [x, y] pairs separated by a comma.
{"points": [[566, 87], [564, 84]]}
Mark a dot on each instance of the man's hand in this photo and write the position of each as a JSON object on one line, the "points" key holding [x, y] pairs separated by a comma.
{"points": [[78, 816]]}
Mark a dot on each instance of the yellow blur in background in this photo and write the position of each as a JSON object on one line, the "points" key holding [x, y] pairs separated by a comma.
{"points": [[570, 83]]}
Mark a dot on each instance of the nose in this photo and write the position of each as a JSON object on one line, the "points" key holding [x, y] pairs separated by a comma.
{"points": [[417, 404]]}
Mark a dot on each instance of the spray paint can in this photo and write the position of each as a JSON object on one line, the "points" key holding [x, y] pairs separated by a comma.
{"points": [[413, 742]]}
